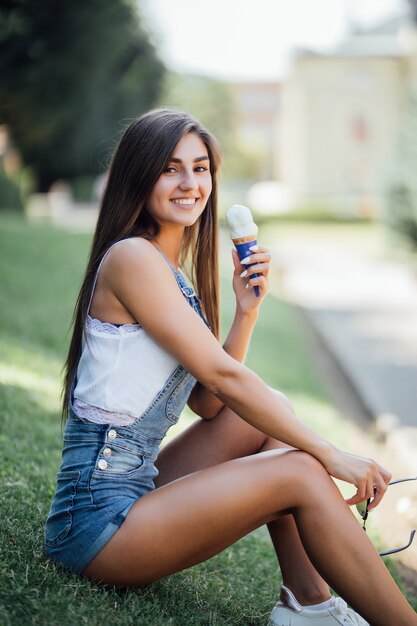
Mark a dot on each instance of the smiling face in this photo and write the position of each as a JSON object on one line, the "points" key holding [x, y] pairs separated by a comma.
{"points": [[180, 194]]}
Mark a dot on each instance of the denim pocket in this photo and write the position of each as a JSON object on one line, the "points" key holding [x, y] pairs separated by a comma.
{"points": [[59, 521], [178, 398], [126, 475], [118, 461]]}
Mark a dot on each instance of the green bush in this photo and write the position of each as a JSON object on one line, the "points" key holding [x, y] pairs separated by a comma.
{"points": [[10, 196], [401, 211], [82, 188]]}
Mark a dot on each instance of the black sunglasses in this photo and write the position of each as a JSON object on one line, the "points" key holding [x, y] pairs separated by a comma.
{"points": [[362, 508]]}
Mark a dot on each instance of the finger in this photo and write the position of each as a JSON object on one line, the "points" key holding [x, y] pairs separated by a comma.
{"points": [[355, 499], [386, 475], [374, 490], [370, 489], [376, 500], [380, 490], [258, 268], [360, 495], [256, 258], [381, 480], [258, 248], [258, 281]]}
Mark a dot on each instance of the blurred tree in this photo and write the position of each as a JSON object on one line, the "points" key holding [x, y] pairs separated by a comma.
{"points": [[69, 72], [208, 99], [212, 103]]}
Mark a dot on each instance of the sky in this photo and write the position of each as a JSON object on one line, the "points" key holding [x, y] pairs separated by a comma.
{"points": [[252, 39]]}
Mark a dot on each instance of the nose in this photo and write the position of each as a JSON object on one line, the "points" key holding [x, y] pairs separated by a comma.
{"points": [[188, 180]]}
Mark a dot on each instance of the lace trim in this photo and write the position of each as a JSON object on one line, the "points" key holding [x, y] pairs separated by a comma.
{"points": [[111, 329], [101, 416]]}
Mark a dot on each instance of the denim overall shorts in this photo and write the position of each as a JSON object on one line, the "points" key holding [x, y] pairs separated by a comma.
{"points": [[106, 468]]}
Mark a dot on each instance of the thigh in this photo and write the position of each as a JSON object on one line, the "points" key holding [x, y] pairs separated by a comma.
{"points": [[190, 519], [209, 442]]}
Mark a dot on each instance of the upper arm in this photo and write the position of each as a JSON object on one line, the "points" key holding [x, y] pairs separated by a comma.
{"points": [[145, 285]]}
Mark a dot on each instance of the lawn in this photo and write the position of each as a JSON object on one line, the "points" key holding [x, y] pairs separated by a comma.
{"points": [[40, 272]]}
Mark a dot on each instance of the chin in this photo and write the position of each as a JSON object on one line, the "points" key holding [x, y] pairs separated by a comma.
{"points": [[189, 221]]}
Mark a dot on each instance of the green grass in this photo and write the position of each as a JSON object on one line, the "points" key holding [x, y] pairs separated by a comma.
{"points": [[40, 272]]}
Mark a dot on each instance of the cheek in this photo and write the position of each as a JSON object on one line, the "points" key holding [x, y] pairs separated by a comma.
{"points": [[158, 195], [208, 187]]}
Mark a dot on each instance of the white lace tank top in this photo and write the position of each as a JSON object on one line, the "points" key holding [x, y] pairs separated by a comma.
{"points": [[120, 371]]}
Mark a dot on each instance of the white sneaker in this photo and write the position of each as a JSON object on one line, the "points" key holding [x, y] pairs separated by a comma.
{"points": [[291, 613]]}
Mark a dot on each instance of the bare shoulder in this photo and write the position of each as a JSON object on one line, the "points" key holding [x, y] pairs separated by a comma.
{"points": [[132, 250], [134, 256], [139, 277]]}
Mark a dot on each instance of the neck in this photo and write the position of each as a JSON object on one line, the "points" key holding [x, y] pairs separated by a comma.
{"points": [[170, 246]]}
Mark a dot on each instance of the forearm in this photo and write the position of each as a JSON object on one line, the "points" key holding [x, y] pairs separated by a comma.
{"points": [[205, 403], [238, 339], [248, 396]]}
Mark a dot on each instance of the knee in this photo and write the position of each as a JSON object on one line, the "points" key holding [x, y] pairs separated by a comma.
{"points": [[309, 464], [306, 471], [298, 475]]}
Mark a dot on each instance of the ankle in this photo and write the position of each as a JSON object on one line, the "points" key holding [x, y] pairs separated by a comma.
{"points": [[307, 596]]}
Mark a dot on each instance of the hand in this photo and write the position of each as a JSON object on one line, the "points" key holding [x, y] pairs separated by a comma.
{"points": [[370, 479], [245, 296]]}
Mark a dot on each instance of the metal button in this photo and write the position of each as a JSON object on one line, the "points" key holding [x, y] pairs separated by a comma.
{"points": [[102, 464], [107, 452], [112, 434]]}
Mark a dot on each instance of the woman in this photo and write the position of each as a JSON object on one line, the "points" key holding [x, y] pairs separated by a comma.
{"points": [[139, 352]]}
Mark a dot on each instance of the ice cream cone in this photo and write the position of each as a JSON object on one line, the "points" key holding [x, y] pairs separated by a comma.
{"points": [[244, 232], [240, 240]]}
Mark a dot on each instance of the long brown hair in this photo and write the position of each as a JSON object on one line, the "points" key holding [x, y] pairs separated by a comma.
{"points": [[141, 156]]}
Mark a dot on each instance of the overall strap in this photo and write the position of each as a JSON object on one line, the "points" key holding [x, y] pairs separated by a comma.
{"points": [[169, 262], [187, 289], [182, 283]]}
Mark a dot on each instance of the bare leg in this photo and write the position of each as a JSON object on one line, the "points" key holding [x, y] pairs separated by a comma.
{"points": [[298, 572], [207, 443], [193, 518]]}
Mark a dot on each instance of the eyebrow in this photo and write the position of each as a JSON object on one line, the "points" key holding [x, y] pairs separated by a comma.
{"points": [[196, 160]]}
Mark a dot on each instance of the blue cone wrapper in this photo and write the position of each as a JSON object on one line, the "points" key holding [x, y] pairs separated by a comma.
{"points": [[243, 251]]}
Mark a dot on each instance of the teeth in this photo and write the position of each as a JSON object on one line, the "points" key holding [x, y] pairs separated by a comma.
{"points": [[184, 201]]}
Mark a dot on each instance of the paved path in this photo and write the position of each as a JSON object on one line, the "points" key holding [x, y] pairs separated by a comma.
{"points": [[366, 313]]}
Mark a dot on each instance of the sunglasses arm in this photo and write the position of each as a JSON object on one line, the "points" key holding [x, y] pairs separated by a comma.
{"points": [[402, 480], [413, 532]]}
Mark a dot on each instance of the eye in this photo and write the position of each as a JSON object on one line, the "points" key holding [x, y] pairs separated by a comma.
{"points": [[170, 169], [201, 168]]}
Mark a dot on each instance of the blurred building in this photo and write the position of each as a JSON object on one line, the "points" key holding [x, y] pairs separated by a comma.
{"points": [[339, 118], [257, 108]]}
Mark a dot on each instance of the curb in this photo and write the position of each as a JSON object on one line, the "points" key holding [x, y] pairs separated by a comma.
{"points": [[400, 441]]}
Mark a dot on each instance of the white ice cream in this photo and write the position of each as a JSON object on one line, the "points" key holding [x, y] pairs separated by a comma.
{"points": [[240, 221]]}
